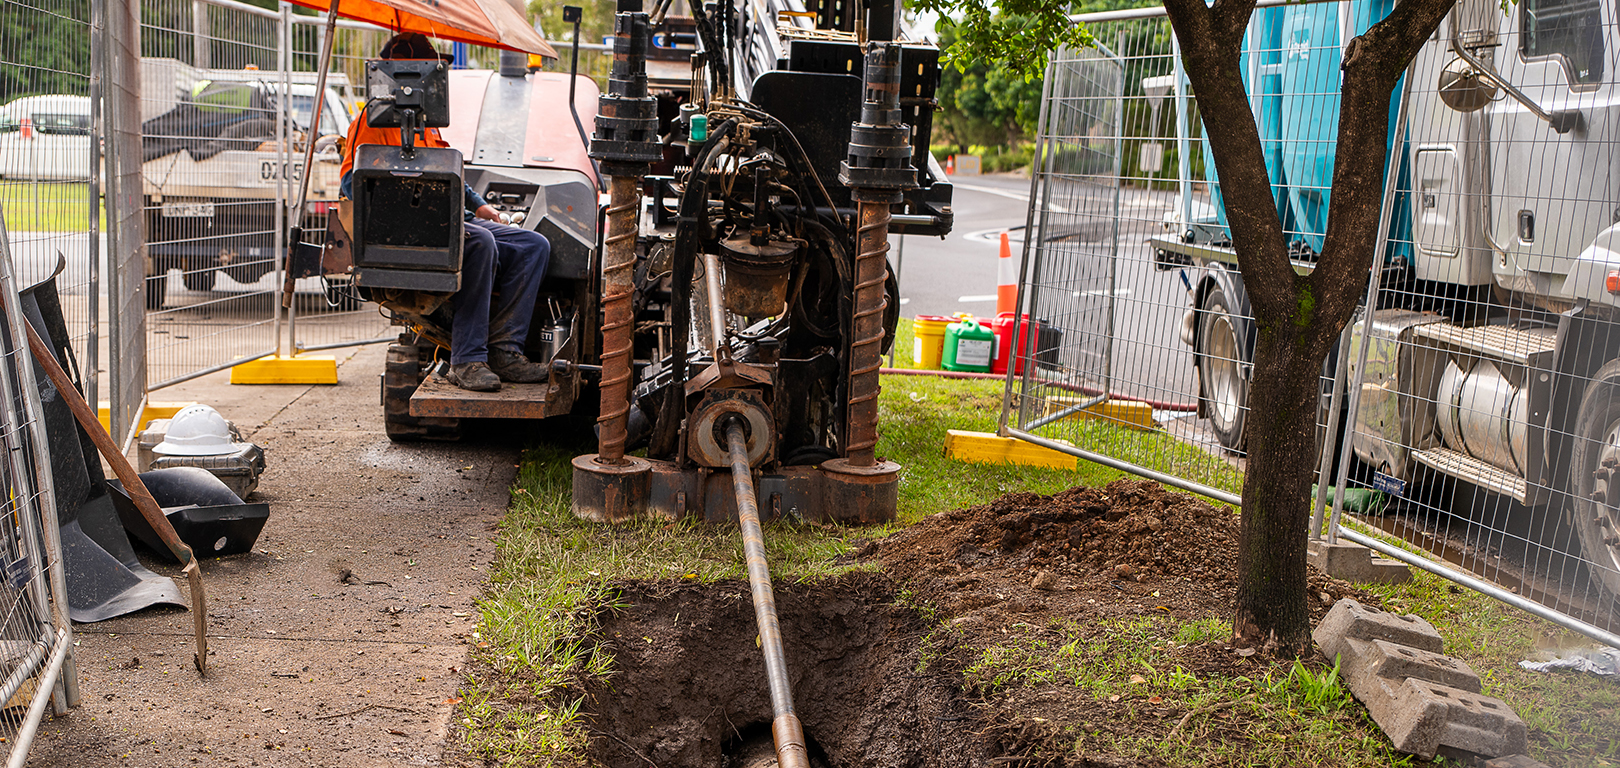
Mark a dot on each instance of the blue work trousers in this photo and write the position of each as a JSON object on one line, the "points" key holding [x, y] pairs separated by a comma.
{"points": [[501, 268]]}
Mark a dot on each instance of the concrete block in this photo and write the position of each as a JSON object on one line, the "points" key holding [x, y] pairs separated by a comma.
{"points": [[1389, 661], [1515, 761], [1353, 562], [1421, 717], [986, 448], [1350, 620], [1125, 413], [1423, 700]]}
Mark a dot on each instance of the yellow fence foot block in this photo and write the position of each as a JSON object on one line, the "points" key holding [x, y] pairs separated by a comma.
{"points": [[304, 369], [1126, 413], [152, 411], [987, 448]]}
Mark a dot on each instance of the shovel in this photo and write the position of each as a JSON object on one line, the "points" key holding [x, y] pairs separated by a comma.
{"points": [[132, 484]]}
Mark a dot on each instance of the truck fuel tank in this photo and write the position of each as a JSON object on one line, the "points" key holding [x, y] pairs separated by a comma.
{"points": [[1484, 415]]}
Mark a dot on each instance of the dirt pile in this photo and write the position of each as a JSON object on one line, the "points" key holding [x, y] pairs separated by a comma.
{"points": [[883, 663]]}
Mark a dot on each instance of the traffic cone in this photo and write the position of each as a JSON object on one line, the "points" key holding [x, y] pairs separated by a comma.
{"points": [[950, 164], [26, 128], [1006, 279]]}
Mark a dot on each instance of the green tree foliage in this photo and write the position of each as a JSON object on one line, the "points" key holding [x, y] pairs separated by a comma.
{"points": [[596, 23], [46, 48], [990, 90], [981, 104]]}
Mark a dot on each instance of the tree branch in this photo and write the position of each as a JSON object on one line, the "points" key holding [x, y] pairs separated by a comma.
{"points": [[1373, 63], [1210, 41]]}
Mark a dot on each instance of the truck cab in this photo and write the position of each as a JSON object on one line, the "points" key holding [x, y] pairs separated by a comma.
{"points": [[214, 169]]}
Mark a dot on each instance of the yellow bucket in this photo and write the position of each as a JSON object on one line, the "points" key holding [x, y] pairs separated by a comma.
{"points": [[930, 340]]}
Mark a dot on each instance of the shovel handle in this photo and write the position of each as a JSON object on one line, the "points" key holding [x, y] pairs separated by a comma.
{"points": [[104, 443]]}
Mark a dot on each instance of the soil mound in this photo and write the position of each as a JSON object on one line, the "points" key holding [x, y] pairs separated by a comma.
{"points": [[881, 661]]}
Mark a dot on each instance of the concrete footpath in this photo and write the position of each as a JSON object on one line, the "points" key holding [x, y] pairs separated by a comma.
{"points": [[341, 639]]}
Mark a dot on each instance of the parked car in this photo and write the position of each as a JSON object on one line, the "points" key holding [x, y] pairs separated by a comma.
{"points": [[45, 138]]}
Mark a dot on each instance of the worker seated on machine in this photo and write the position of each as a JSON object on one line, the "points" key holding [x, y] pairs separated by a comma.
{"points": [[488, 332]]}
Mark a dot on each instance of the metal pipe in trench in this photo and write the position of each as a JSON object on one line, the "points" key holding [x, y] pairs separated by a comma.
{"points": [[786, 730]]}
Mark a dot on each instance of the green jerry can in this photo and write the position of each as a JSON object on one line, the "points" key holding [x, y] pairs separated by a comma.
{"points": [[968, 346]]}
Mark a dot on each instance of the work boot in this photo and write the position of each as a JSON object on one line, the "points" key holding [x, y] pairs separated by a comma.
{"points": [[514, 367], [475, 376]]}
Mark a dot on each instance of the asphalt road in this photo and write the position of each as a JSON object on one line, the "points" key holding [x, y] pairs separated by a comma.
{"points": [[957, 273]]}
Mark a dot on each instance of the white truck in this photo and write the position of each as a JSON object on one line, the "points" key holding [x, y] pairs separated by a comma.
{"points": [[214, 166], [1493, 352]]}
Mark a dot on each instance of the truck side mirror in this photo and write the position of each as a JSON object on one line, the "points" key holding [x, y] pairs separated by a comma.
{"points": [[1463, 88]]}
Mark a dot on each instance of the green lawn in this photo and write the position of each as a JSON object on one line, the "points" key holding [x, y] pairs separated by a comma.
{"points": [[48, 206], [521, 705]]}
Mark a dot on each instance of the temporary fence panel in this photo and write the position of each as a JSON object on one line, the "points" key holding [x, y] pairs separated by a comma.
{"points": [[326, 313], [1481, 409], [1104, 326], [214, 148], [1486, 388], [36, 638], [115, 51], [47, 188]]}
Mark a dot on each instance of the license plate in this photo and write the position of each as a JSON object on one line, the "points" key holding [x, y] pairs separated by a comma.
{"points": [[187, 210]]}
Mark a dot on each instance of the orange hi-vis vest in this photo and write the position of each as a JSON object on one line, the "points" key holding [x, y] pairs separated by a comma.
{"points": [[361, 133]]}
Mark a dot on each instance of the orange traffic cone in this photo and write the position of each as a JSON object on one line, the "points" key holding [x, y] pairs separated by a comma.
{"points": [[1006, 279], [26, 128], [950, 164]]}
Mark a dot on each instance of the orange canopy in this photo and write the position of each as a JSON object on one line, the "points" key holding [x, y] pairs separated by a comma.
{"points": [[493, 23]]}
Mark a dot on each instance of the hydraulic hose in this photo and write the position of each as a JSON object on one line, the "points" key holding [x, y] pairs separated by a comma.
{"points": [[786, 730], [688, 234]]}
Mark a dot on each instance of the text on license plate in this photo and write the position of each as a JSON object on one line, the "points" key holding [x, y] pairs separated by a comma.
{"points": [[187, 210]]}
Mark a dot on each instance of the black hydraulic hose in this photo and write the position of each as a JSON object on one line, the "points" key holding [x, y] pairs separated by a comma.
{"points": [[806, 168], [786, 730], [712, 42], [693, 212]]}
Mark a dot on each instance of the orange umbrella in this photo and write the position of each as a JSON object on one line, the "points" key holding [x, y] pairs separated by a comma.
{"points": [[493, 23]]}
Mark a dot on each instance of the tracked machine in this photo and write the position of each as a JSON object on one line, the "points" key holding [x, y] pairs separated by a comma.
{"points": [[719, 249], [725, 308]]}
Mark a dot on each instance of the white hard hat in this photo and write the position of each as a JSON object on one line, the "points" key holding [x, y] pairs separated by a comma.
{"points": [[197, 430]]}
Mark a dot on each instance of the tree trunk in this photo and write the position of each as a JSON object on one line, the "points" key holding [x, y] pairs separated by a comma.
{"points": [[1297, 317], [1283, 396]]}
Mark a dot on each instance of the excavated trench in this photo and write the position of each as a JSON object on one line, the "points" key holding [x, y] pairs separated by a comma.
{"points": [[689, 689]]}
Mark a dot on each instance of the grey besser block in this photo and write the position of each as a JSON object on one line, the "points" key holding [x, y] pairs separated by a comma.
{"points": [[1422, 699], [1349, 619]]}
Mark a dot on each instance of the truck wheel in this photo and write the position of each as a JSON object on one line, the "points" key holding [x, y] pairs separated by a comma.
{"points": [[200, 280], [402, 373], [1595, 488], [157, 290], [1219, 359]]}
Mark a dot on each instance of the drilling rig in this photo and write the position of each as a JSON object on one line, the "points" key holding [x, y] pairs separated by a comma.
{"points": [[754, 183], [728, 305]]}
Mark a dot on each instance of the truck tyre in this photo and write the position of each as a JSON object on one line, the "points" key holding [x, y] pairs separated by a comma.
{"points": [[200, 280], [1220, 369], [1595, 488], [157, 290], [402, 374]]}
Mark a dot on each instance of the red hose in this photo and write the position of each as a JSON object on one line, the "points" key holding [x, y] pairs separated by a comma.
{"points": [[1158, 405]]}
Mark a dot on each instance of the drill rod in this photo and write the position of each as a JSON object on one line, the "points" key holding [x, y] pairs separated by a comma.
{"points": [[618, 317], [786, 730], [866, 352]]}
